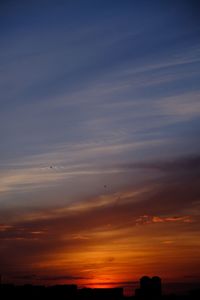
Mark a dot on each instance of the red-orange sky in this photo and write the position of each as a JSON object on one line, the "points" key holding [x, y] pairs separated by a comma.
{"points": [[99, 131], [112, 238]]}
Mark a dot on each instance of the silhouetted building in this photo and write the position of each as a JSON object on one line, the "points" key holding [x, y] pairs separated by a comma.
{"points": [[101, 293], [156, 286], [62, 291], [149, 287], [85, 293], [109, 293], [194, 294]]}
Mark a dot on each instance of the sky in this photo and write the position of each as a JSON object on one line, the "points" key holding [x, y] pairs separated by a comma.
{"points": [[99, 129]]}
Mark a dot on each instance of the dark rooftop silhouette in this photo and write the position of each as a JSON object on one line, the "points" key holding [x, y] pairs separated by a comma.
{"points": [[150, 288]]}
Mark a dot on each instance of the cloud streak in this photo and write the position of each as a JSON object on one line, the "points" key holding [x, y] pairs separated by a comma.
{"points": [[99, 126], [74, 235]]}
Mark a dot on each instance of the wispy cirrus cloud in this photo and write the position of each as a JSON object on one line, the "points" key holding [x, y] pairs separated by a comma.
{"points": [[99, 126], [143, 205], [65, 162]]}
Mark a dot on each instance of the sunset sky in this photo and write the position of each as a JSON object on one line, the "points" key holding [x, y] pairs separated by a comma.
{"points": [[100, 141]]}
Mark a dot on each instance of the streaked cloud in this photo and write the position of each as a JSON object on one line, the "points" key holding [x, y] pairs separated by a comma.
{"points": [[99, 126], [73, 237], [156, 219]]}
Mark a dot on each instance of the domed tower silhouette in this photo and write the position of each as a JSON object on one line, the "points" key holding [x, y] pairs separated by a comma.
{"points": [[145, 285], [156, 286], [150, 288]]}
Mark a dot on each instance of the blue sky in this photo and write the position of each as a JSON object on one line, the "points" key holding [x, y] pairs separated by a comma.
{"points": [[95, 84], [99, 128]]}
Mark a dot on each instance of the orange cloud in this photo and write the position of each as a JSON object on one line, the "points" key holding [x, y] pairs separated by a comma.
{"points": [[100, 241], [145, 219]]}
